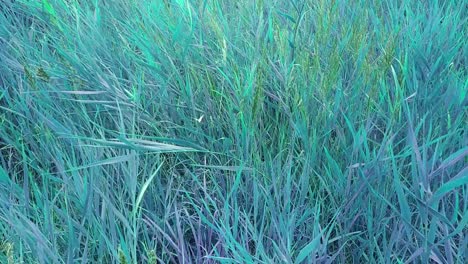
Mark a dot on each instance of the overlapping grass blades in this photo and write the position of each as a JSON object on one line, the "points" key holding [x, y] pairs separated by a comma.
{"points": [[200, 131]]}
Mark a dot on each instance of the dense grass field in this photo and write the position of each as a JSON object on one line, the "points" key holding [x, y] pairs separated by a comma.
{"points": [[204, 131]]}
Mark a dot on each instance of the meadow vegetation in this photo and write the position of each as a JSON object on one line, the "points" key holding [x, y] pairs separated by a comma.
{"points": [[204, 131]]}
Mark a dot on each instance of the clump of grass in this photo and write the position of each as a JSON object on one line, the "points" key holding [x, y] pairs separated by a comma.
{"points": [[122, 257], [152, 257], [190, 131], [8, 252]]}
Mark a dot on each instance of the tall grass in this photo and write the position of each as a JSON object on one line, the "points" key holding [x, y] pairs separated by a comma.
{"points": [[190, 131]]}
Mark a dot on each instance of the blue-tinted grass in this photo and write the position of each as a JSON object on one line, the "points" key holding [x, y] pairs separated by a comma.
{"points": [[233, 131]]}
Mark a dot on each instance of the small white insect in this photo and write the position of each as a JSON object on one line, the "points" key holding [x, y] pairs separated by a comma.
{"points": [[200, 119]]}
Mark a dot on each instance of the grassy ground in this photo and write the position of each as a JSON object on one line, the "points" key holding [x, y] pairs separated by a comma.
{"points": [[202, 131]]}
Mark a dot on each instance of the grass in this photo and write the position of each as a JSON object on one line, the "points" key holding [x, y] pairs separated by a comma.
{"points": [[192, 131]]}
